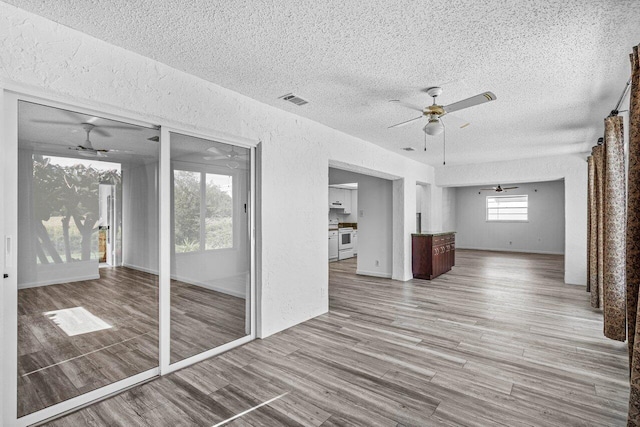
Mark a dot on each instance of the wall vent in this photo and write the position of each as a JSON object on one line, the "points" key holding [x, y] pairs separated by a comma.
{"points": [[409, 149], [294, 99]]}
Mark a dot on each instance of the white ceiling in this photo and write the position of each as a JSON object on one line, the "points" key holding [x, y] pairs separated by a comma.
{"points": [[557, 67]]}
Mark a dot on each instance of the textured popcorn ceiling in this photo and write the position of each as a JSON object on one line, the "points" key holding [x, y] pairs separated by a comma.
{"points": [[557, 67]]}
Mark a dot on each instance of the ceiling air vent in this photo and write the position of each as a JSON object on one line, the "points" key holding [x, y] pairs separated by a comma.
{"points": [[294, 99], [409, 149]]}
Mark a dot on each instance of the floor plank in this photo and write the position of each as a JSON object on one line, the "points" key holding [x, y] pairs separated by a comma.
{"points": [[54, 367], [498, 341]]}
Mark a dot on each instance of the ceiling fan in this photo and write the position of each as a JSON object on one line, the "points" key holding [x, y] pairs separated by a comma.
{"points": [[232, 157], [434, 111], [225, 155], [499, 189], [88, 120], [87, 148]]}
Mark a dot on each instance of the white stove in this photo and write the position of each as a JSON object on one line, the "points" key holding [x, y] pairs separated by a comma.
{"points": [[345, 243]]}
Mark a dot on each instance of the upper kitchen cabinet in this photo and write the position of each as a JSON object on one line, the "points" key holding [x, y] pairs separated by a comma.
{"points": [[336, 196], [340, 198]]}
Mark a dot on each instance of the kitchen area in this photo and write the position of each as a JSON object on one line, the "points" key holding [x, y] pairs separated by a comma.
{"points": [[343, 224]]}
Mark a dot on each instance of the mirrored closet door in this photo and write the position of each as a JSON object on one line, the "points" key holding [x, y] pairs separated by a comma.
{"points": [[87, 261], [210, 245]]}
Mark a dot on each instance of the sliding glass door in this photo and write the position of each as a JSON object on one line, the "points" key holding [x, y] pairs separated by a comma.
{"points": [[87, 253], [128, 253], [210, 249]]}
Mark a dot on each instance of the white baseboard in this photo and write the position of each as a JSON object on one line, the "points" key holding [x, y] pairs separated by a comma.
{"points": [[192, 282], [523, 251], [374, 274], [64, 272], [143, 269], [56, 282], [211, 287]]}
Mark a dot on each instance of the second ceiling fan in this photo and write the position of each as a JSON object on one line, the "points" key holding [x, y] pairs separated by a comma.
{"points": [[434, 111], [499, 189]]}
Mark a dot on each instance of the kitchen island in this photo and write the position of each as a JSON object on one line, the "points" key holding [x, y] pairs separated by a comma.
{"points": [[433, 253]]}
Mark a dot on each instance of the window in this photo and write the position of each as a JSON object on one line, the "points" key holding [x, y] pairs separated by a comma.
{"points": [[508, 208], [67, 207], [203, 211]]}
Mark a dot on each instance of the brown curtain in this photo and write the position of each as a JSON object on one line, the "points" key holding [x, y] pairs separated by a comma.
{"points": [[633, 240], [614, 286], [590, 213], [597, 293], [592, 236]]}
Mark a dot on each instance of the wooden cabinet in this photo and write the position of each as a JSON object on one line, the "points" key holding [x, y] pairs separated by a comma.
{"points": [[432, 254]]}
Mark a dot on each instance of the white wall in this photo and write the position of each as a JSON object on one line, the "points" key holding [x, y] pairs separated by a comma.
{"points": [[571, 168], [449, 209], [140, 216], [375, 227], [7, 295], [426, 206], [543, 233], [296, 152]]}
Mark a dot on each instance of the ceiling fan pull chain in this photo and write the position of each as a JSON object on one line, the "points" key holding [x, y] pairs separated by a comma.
{"points": [[444, 143]]}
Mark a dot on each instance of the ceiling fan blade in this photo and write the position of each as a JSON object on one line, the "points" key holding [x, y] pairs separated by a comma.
{"points": [[488, 189], [220, 151], [52, 122], [509, 188], [100, 131], [404, 123], [132, 127], [407, 105], [470, 102]]}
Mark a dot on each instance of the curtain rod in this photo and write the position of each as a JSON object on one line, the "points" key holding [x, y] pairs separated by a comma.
{"points": [[615, 111]]}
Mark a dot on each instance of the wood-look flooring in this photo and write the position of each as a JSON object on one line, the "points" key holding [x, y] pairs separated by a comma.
{"points": [[498, 341], [53, 367]]}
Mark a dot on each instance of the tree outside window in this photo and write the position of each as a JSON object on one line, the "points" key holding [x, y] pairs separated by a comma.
{"points": [[203, 211]]}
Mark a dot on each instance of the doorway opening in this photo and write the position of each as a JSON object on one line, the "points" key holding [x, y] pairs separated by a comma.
{"points": [[360, 223], [108, 224]]}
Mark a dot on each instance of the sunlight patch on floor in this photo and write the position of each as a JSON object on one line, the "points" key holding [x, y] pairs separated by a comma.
{"points": [[77, 321]]}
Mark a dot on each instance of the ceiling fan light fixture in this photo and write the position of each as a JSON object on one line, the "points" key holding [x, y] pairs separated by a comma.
{"points": [[232, 165], [434, 127]]}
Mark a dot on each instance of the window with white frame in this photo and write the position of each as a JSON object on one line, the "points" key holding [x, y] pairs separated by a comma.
{"points": [[203, 209], [508, 208]]}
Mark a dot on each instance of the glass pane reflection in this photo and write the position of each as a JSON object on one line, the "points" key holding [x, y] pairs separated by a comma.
{"points": [[210, 260], [87, 251]]}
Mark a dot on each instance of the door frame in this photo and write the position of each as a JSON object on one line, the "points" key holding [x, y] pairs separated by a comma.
{"points": [[10, 95]]}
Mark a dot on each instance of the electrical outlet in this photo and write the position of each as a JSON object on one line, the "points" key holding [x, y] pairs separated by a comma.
{"points": [[510, 242], [361, 213], [377, 263], [322, 292]]}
